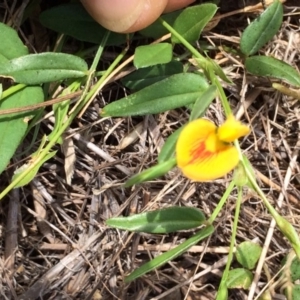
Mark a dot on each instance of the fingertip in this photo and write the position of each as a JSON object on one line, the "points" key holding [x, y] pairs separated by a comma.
{"points": [[125, 16]]}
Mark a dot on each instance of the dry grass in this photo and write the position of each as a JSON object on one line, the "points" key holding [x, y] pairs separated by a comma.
{"points": [[55, 244]]}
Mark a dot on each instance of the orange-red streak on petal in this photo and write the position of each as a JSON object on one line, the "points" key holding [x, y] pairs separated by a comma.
{"points": [[199, 153]]}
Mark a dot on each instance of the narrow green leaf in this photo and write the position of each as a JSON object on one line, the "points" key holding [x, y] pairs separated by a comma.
{"points": [[203, 102], [36, 69], [151, 55], [192, 21], [33, 169], [272, 67], [262, 29], [151, 173], [146, 76], [73, 20], [166, 220], [176, 91], [13, 127], [11, 45], [168, 149], [239, 279], [171, 254], [247, 254]]}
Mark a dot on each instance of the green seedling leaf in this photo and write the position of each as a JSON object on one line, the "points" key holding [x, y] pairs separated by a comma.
{"points": [[171, 254], [247, 254], [166, 220], [30, 169], [147, 76], [168, 149], [239, 279], [293, 267], [151, 173], [154, 54], [176, 91], [156, 30], [192, 21], [11, 45], [13, 127], [272, 67], [203, 102], [262, 29], [73, 20], [36, 69]]}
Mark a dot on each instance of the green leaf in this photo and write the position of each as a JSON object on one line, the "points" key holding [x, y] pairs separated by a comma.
{"points": [[146, 76], [272, 67], [171, 254], [247, 254], [11, 45], [192, 20], [33, 169], [294, 267], [151, 173], [203, 102], [73, 20], [262, 29], [173, 92], [168, 149], [239, 279], [154, 54], [36, 69], [166, 220], [13, 127]]}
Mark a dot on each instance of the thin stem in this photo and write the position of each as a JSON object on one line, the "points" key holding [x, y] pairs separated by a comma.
{"points": [[232, 242], [221, 202]]}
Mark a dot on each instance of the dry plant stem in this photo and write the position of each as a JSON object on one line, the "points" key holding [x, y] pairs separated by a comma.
{"points": [[11, 234], [219, 264], [39, 105], [247, 9], [101, 153], [287, 179]]}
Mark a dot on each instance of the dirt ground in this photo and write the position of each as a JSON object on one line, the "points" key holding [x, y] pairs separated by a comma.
{"points": [[54, 241]]}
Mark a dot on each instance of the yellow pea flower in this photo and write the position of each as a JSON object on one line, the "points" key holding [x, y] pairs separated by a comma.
{"points": [[204, 151]]}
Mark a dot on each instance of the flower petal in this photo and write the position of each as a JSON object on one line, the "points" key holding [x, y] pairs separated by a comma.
{"points": [[231, 130], [201, 155], [193, 135], [215, 166]]}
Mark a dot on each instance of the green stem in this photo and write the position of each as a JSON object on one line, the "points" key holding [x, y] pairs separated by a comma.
{"points": [[221, 202], [12, 90], [232, 243]]}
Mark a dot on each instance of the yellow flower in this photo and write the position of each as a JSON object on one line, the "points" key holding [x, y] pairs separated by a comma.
{"points": [[204, 151]]}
